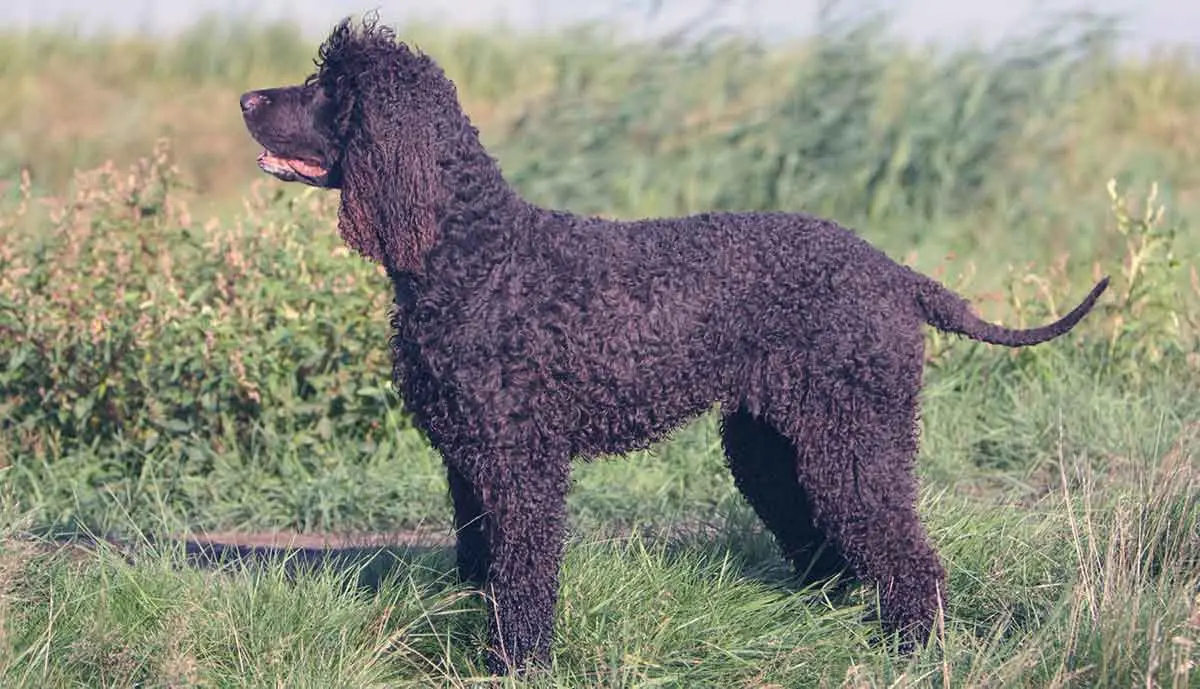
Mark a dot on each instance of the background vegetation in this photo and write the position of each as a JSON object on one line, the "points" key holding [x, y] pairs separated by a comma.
{"points": [[187, 347]]}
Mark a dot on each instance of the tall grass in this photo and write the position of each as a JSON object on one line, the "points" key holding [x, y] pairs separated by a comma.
{"points": [[853, 123]]}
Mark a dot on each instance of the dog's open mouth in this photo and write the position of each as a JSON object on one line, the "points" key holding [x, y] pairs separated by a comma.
{"points": [[292, 169]]}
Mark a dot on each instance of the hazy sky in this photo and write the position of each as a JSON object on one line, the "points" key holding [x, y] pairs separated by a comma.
{"points": [[1153, 21]]}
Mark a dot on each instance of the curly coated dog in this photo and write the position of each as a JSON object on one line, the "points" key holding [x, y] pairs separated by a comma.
{"points": [[525, 337]]}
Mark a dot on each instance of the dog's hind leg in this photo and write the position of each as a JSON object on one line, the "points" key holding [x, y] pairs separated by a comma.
{"points": [[763, 464], [471, 549], [856, 445]]}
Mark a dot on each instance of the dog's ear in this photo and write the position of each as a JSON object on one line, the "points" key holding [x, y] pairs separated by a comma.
{"points": [[390, 192]]}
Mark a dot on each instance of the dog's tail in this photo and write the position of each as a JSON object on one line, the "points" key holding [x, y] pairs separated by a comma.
{"points": [[950, 313]]}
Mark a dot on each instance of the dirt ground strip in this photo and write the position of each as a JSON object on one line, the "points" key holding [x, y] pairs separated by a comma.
{"points": [[295, 549]]}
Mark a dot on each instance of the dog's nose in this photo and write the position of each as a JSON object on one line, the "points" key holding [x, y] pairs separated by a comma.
{"points": [[252, 100]]}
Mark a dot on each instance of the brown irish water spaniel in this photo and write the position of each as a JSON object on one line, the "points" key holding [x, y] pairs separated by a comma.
{"points": [[526, 336]]}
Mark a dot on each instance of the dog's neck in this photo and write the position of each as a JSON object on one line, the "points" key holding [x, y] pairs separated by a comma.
{"points": [[451, 190], [477, 194], [479, 207]]}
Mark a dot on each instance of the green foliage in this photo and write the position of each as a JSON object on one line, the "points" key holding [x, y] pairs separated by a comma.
{"points": [[127, 320], [215, 48], [1147, 315], [126, 335], [857, 125], [1151, 323]]}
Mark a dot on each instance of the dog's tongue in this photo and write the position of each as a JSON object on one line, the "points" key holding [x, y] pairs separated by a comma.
{"points": [[301, 167]]}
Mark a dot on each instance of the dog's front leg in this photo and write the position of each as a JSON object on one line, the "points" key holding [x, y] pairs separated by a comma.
{"points": [[524, 519]]}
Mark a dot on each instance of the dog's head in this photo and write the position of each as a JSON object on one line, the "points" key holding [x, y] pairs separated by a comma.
{"points": [[294, 125], [373, 121], [367, 86]]}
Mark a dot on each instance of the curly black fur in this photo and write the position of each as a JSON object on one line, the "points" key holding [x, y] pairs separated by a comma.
{"points": [[524, 337]]}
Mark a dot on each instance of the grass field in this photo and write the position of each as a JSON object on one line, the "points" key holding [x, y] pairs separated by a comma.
{"points": [[188, 354]]}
